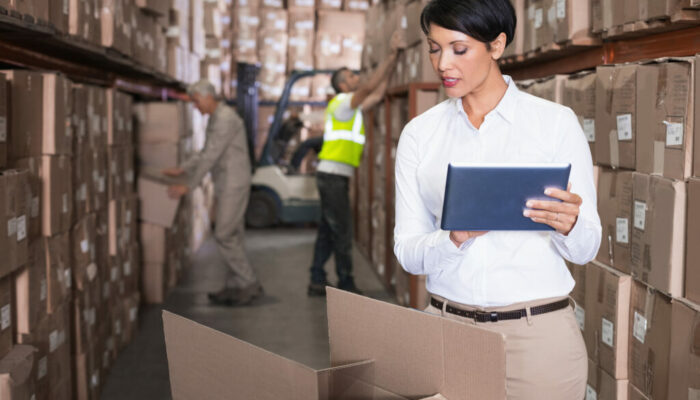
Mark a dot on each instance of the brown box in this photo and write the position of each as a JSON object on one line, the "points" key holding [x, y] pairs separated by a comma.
{"points": [[301, 5], [274, 20], [58, 271], [329, 4], [31, 290], [245, 44], [607, 318], [579, 94], [615, 192], [84, 20], [83, 186], [684, 375], [301, 39], [616, 99], [156, 206], [603, 386], [4, 126], [153, 283], [160, 122], [99, 170], [356, 5], [657, 9], [59, 356], [58, 15], [6, 317], [339, 39], [84, 313], [84, 251], [692, 258], [7, 242], [119, 124], [97, 117], [363, 359], [16, 380], [658, 234], [572, 20], [14, 217], [665, 117], [696, 139], [39, 339], [87, 372]]}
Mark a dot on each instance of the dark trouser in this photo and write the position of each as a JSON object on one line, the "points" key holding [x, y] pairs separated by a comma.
{"points": [[335, 229]]}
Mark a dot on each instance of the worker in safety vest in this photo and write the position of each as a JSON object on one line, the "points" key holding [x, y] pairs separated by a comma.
{"points": [[343, 141]]}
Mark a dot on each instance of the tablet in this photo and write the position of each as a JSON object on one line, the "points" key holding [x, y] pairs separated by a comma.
{"points": [[492, 197]]}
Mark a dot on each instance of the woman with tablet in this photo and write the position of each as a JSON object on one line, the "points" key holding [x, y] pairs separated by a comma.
{"points": [[513, 282]]}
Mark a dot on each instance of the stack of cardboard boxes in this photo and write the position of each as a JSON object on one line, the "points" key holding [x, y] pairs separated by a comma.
{"points": [[639, 310]]}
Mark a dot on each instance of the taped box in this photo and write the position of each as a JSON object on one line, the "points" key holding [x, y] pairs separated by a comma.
{"points": [[377, 351], [156, 206]]}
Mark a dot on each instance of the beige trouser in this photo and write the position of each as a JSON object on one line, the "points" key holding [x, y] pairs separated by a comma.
{"points": [[545, 354], [228, 233]]}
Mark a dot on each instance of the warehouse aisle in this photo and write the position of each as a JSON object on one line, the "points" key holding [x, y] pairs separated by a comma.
{"points": [[285, 321]]}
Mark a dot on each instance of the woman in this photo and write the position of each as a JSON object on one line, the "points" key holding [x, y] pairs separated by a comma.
{"points": [[488, 120]]}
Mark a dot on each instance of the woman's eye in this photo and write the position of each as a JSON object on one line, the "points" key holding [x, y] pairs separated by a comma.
{"points": [[433, 50], [459, 52]]}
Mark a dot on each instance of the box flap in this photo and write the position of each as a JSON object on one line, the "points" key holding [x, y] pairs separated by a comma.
{"points": [[415, 353]]}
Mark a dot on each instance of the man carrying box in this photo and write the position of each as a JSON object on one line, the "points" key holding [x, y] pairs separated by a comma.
{"points": [[225, 155], [343, 142]]}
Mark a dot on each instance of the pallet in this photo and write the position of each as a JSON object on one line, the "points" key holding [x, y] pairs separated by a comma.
{"points": [[681, 20]]}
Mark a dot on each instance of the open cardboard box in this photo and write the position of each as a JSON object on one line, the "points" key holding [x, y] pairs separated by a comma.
{"points": [[378, 351]]}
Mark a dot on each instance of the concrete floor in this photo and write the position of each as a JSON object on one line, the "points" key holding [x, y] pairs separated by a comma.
{"points": [[282, 258]]}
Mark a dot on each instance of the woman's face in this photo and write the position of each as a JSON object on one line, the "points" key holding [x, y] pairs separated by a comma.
{"points": [[462, 62]]}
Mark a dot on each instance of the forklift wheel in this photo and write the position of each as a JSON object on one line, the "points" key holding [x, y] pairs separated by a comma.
{"points": [[262, 210]]}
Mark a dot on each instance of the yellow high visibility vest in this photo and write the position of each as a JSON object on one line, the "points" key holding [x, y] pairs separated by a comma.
{"points": [[343, 141]]}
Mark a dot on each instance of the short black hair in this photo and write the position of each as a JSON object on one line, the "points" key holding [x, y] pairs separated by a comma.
{"points": [[483, 20], [337, 78]]}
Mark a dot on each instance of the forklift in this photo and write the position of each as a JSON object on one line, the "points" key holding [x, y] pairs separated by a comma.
{"points": [[279, 194]]}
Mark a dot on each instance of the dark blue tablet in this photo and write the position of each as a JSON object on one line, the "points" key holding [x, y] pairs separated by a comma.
{"points": [[492, 197]]}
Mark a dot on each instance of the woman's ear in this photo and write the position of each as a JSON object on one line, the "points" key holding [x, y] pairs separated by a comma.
{"points": [[498, 46]]}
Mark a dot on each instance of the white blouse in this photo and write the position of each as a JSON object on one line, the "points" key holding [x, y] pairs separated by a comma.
{"points": [[499, 268]]}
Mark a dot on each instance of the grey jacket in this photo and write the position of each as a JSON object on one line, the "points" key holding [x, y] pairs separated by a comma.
{"points": [[225, 153]]}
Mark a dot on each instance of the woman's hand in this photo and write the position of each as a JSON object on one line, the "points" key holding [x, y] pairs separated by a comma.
{"points": [[174, 172], [561, 216], [459, 237]]}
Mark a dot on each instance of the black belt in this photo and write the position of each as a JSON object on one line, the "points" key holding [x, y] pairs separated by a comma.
{"points": [[487, 316]]}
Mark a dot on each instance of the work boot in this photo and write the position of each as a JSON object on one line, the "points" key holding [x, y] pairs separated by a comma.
{"points": [[244, 296], [317, 289], [350, 287], [223, 297]]}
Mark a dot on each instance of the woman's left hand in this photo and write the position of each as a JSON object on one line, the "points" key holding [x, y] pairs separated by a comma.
{"points": [[561, 216]]}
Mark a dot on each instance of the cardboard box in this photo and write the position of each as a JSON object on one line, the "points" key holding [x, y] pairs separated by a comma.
{"points": [[616, 100], [58, 271], [692, 258], [160, 122], [307, 5], [4, 126], [329, 4], [85, 308], [59, 355], [635, 394], [83, 187], [607, 318], [245, 44], [355, 335], [615, 193], [31, 290], [662, 332], [97, 117], [302, 31], [579, 94], [39, 339], [99, 172], [156, 206], [84, 251], [16, 373], [572, 20], [58, 15], [6, 317], [339, 39], [87, 374], [119, 123], [274, 20], [696, 139], [13, 239], [116, 26], [153, 283], [7, 241], [665, 124], [658, 234], [603, 386], [84, 20]]}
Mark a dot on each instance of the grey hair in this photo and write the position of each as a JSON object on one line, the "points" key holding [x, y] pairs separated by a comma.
{"points": [[202, 87]]}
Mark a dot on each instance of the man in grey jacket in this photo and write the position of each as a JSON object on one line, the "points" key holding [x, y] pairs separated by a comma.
{"points": [[225, 155]]}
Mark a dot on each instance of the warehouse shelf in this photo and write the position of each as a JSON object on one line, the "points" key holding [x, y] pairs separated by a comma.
{"points": [[677, 43], [31, 43]]}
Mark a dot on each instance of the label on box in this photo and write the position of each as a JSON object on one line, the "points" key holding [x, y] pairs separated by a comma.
{"points": [[133, 313], [114, 167], [21, 228], [95, 380], [101, 184], [12, 227], [622, 234], [3, 129], [561, 9], [580, 315], [589, 129], [539, 18], [639, 330], [65, 7], [5, 317], [35, 206], [84, 246], [42, 369], [118, 327], [68, 275], [83, 192], [127, 268], [693, 394], [128, 217], [65, 202], [120, 123], [591, 393], [91, 271], [674, 134], [640, 214], [115, 273], [95, 176], [608, 333], [624, 127], [105, 290], [53, 341], [42, 290]]}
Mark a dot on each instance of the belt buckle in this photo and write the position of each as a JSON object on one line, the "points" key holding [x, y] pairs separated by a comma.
{"points": [[486, 316]]}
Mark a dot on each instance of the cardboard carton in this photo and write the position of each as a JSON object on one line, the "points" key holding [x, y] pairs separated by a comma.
{"points": [[665, 117], [160, 122], [684, 373], [6, 240], [579, 94], [6, 318], [635, 394], [329, 4], [59, 357], [13, 214], [616, 100], [16, 373], [516, 47], [692, 258], [301, 40], [696, 139], [615, 192], [570, 19], [119, 123], [156, 206], [658, 232], [31, 290], [4, 110], [83, 187], [83, 240], [578, 294], [364, 347], [307, 5], [87, 372], [153, 283], [84, 313], [39, 339], [58, 15], [99, 170], [603, 386], [607, 318], [115, 25], [339, 39], [58, 271]]}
